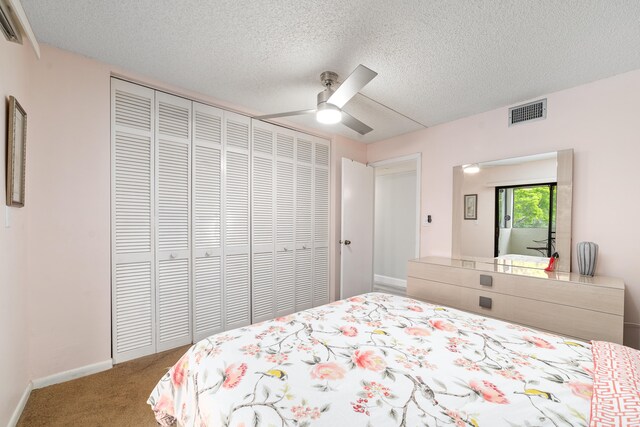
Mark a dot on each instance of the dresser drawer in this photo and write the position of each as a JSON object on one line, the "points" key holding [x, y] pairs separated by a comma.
{"points": [[561, 319], [586, 296]]}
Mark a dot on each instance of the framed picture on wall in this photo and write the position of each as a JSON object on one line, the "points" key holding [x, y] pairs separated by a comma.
{"points": [[470, 206], [16, 153]]}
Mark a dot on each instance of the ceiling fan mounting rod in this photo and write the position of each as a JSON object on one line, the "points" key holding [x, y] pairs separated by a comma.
{"points": [[328, 78]]}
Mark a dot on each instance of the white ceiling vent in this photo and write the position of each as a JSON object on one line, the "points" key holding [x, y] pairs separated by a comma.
{"points": [[536, 110]]}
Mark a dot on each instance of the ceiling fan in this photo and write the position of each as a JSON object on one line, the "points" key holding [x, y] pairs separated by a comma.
{"points": [[334, 97]]}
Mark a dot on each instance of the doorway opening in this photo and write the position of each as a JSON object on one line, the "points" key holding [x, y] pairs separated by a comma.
{"points": [[525, 221], [396, 221]]}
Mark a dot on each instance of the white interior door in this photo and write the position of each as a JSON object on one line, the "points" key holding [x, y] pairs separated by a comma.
{"points": [[356, 257]]}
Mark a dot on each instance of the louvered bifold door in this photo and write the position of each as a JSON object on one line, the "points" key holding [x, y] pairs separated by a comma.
{"points": [[173, 261], [237, 277], [132, 240], [304, 216], [320, 222], [207, 221], [262, 222], [285, 222]]}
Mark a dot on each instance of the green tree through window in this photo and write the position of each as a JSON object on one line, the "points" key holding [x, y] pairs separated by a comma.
{"points": [[531, 207]]}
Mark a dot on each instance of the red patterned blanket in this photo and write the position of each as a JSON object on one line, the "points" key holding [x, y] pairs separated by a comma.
{"points": [[616, 385]]}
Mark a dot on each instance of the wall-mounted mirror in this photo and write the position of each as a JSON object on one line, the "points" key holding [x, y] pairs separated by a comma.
{"points": [[514, 211]]}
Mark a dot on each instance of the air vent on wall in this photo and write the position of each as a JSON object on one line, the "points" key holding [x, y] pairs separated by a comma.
{"points": [[536, 110], [14, 24], [9, 29]]}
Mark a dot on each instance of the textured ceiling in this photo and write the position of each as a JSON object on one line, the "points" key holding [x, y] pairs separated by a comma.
{"points": [[437, 60]]}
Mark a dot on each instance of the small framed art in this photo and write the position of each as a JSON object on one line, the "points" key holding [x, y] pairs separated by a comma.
{"points": [[470, 206], [16, 153]]}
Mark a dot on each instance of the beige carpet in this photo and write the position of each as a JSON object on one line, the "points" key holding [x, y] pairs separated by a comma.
{"points": [[116, 397]]}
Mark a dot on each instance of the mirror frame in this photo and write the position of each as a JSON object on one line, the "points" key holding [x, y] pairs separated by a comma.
{"points": [[564, 175]]}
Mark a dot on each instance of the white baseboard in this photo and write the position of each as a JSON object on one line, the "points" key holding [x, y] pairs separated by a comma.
{"points": [[21, 404], [72, 374], [389, 281]]}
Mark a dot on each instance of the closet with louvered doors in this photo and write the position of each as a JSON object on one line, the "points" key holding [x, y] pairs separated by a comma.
{"points": [[217, 221], [290, 221]]}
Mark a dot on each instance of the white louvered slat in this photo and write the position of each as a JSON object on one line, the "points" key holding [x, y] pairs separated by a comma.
{"points": [[208, 297], [284, 145], [285, 284], [132, 219], [263, 287], [207, 197], [237, 175], [237, 293], [262, 222], [320, 276], [321, 206], [262, 141], [304, 150], [262, 201], [322, 154], [174, 305], [173, 196], [208, 283], [284, 202], [304, 285], [173, 228], [237, 199], [133, 310], [304, 200], [207, 124], [237, 134], [132, 193], [133, 110]]}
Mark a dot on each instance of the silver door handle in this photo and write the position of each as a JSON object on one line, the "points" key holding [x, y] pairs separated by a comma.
{"points": [[207, 253], [172, 256], [346, 242]]}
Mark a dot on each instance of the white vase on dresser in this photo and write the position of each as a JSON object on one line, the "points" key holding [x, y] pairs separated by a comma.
{"points": [[588, 308]]}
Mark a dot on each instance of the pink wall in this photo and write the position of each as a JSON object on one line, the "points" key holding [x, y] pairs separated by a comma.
{"points": [[69, 197], [600, 121], [14, 60]]}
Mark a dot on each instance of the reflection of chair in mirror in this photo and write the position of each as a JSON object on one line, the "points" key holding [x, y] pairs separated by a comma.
{"points": [[542, 246]]}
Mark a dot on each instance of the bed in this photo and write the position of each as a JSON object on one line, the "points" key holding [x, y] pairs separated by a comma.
{"points": [[384, 360]]}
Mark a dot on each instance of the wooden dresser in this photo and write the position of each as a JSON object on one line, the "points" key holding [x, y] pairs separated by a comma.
{"points": [[588, 308]]}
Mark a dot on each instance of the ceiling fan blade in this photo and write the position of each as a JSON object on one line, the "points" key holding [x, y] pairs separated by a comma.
{"points": [[352, 85], [355, 124], [289, 113]]}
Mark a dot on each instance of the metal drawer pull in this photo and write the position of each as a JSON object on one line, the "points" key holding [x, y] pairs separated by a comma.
{"points": [[485, 302], [486, 280]]}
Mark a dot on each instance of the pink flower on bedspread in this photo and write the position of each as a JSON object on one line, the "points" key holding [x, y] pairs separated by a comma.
{"points": [[488, 391], [417, 332], [582, 390], [164, 405], [443, 326], [415, 308], [356, 299], [349, 331], [178, 370], [368, 360], [233, 374], [327, 371], [539, 342]]}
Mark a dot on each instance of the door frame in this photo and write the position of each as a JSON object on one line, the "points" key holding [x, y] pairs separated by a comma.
{"points": [[417, 157]]}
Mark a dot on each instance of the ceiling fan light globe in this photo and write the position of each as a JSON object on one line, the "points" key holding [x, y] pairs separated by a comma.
{"points": [[328, 114]]}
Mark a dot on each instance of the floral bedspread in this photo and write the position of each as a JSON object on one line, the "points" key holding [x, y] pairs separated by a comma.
{"points": [[379, 360]]}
